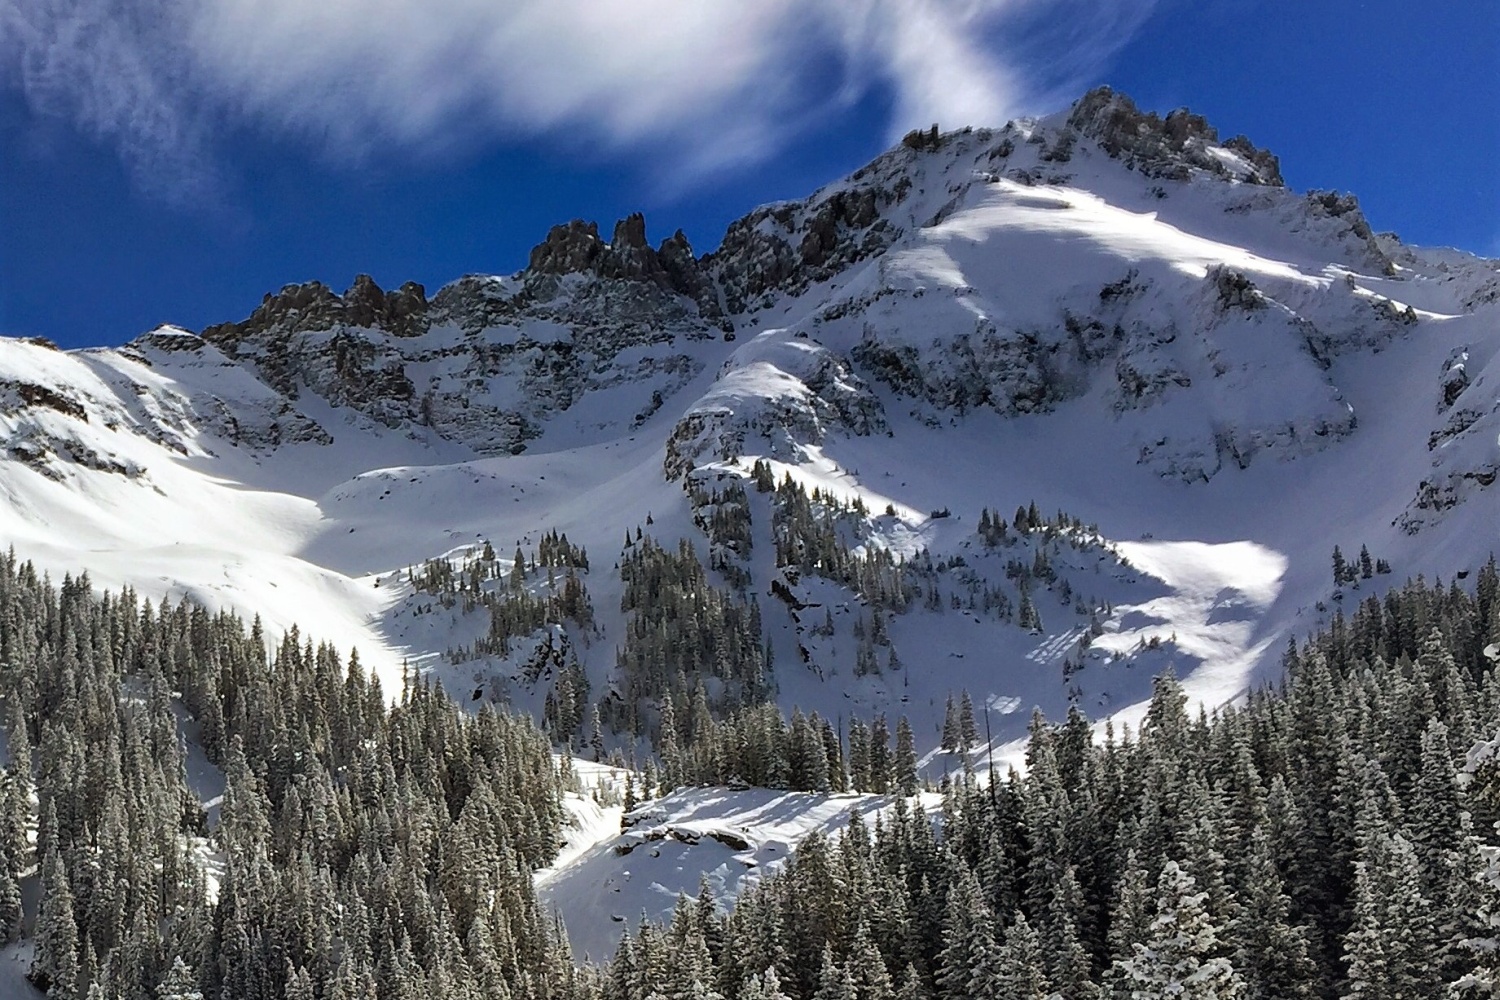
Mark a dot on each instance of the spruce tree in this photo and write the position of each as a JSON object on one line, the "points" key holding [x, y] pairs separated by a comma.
{"points": [[834, 983], [1390, 950], [55, 968], [906, 759], [968, 733], [967, 939], [1131, 914], [1481, 775], [1272, 955], [1482, 980], [1068, 963], [872, 981], [10, 908], [1020, 974], [179, 984], [1177, 960]]}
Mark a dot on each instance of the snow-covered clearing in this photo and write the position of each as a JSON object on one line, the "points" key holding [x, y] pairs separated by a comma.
{"points": [[727, 837]]}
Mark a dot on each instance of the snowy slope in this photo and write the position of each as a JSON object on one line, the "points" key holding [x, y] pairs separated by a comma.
{"points": [[729, 838], [1110, 315]]}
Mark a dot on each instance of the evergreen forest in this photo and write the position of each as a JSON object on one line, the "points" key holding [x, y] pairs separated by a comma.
{"points": [[1332, 837]]}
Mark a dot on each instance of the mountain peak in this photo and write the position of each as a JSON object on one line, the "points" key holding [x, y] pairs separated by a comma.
{"points": [[1168, 146], [569, 247]]}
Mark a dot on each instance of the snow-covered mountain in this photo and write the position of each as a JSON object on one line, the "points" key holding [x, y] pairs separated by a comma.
{"points": [[1194, 381]]}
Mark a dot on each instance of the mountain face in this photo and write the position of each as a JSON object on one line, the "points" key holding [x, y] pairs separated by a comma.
{"points": [[492, 363], [1008, 418], [1192, 381]]}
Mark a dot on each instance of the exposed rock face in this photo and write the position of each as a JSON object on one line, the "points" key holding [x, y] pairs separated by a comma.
{"points": [[1165, 147], [1206, 350], [1463, 446], [756, 257], [14, 395], [48, 444], [1233, 290], [1010, 371], [256, 416], [402, 312], [568, 249], [1455, 376], [686, 275], [337, 346], [575, 248], [787, 247], [553, 330], [1145, 372], [1443, 492], [314, 306], [518, 350], [51, 455], [260, 426], [1267, 166], [168, 340], [1345, 208]]}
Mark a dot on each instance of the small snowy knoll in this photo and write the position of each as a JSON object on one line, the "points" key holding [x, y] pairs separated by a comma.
{"points": [[726, 837]]}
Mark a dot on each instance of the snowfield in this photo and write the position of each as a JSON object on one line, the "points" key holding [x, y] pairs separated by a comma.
{"points": [[725, 838]]}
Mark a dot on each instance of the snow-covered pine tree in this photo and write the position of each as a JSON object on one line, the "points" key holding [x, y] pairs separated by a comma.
{"points": [[967, 941], [10, 908], [906, 758], [1069, 965], [1271, 954], [1482, 980], [968, 733], [1020, 974], [834, 983], [1177, 960], [866, 966], [1390, 950], [180, 983], [55, 968]]}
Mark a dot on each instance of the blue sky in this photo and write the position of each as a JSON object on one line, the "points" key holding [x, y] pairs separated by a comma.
{"points": [[171, 162]]}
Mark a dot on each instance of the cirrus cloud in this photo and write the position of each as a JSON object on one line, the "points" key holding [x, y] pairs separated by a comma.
{"points": [[723, 83]]}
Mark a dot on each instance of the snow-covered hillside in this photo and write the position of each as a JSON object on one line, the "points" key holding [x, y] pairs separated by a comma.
{"points": [[1192, 382], [669, 848]]}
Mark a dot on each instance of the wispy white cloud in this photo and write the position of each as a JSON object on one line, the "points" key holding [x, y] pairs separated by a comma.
{"points": [[108, 67], [724, 83]]}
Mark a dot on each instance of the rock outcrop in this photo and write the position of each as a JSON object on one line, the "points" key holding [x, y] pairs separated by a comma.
{"points": [[1168, 147]]}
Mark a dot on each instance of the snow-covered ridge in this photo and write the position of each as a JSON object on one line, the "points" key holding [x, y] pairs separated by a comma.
{"points": [[493, 362]]}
